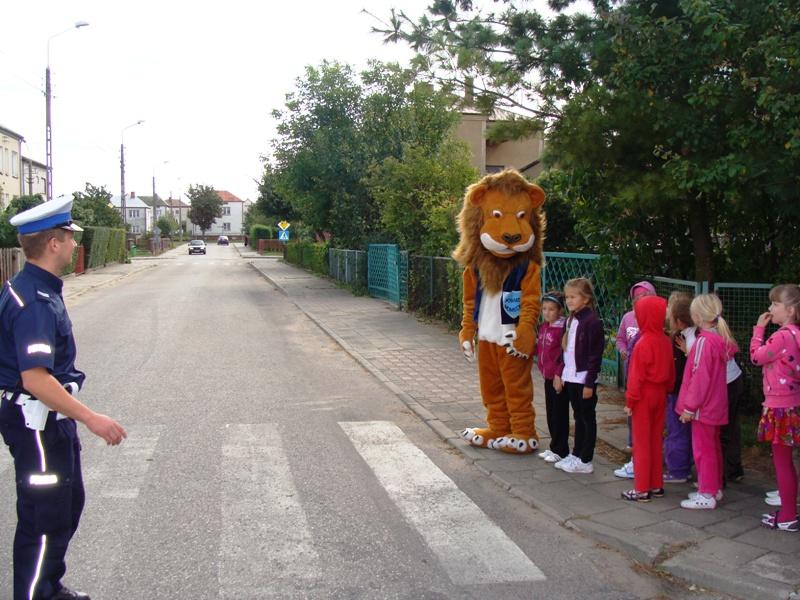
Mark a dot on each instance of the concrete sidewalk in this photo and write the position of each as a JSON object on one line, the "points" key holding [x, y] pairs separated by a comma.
{"points": [[724, 549]]}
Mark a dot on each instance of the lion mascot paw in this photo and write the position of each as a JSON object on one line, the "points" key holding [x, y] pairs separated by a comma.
{"points": [[481, 436], [501, 229]]}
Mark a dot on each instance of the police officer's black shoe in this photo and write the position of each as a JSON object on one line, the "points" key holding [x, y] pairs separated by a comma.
{"points": [[67, 594]]}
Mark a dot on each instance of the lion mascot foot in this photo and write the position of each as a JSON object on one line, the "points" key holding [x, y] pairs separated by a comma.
{"points": [[481, 437], [512, 444]]}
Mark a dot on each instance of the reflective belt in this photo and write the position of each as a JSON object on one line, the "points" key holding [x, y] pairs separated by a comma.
{"points": [[26, 400]]}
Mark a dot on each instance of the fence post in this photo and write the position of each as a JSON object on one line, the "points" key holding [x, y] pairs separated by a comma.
{"points": [[430, 279]]}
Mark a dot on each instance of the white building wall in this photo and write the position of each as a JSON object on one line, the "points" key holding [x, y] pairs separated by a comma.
{"points": [[230, 223]]}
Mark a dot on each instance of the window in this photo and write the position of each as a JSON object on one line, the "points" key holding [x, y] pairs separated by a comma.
{"points": [[133, 213], [226, 227], [5, 161], [14, 164], [226, 211]]}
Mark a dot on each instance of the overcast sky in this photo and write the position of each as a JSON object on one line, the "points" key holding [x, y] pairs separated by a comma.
{"points": [[204, 76]]}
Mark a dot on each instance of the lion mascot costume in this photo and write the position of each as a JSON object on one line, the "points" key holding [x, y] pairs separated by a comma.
{"points": [[501, 231]]}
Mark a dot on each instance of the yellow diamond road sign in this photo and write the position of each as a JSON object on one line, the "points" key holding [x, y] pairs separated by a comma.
{"points": [[284, 225]]}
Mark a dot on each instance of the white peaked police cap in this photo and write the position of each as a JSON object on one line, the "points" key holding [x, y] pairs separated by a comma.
{"points": [[48, 215]]}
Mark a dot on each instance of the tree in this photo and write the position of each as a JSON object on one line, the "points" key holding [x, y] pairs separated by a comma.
{"points": [[319, 155], [336, 128], [167, 224], [270, 204], [206, 206], [674, 119], [93, 208], [420, 193], [8, 233]]}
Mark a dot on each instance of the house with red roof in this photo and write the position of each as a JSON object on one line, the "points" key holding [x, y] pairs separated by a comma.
{"points": [[232, 220]]}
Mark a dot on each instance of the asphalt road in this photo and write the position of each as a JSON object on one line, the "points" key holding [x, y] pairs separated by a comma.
{"points": [[263, 462]]}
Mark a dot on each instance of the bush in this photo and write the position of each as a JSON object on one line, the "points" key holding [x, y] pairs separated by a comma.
{"points": [[260, 232], [309, 255], [78, 239], [103, 245]]}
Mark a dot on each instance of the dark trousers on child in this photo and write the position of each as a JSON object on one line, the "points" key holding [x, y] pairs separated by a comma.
{"points": [[730, 435], [678, 443], [584, 412], [557, 407]]}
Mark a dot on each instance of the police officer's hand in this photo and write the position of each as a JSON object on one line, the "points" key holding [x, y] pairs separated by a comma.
{"points": [[107, 428]]}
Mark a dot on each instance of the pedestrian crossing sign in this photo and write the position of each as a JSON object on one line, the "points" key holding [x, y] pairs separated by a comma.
{"points": [[283, 235]]}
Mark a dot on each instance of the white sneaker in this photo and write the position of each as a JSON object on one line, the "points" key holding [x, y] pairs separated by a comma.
{"points": [[773, 494], [546, 454], [773, 500], [578, 466], [717, 496], [625, 471], [567, 460], [553, 458], [699, 502]]}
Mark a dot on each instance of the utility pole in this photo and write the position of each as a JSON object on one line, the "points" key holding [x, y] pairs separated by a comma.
{"points": [[48, 121]]}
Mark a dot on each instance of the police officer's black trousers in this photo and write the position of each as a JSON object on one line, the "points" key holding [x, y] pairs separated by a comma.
{"points": [[50, 499]]}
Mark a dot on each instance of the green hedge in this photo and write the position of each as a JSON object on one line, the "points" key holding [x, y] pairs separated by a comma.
{"points": [[309, 255], [260, 232], [78, 238], [103, 245]]}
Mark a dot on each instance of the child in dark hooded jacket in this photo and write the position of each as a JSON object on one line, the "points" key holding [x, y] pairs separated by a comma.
{"points": [[651, 376]]}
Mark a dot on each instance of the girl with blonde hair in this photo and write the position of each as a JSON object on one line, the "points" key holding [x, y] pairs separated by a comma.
{"points": [[703, 397]]}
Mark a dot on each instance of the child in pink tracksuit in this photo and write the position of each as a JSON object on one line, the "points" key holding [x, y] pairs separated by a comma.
{"points": [[703, 397], [550, 360], [780, 418]]}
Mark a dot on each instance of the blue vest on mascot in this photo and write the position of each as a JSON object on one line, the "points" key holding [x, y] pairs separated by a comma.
{"points": [[511, 295]]}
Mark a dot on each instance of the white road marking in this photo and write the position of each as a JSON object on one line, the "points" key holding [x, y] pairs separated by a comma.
{"points": [[265, 533], [470, 547], [120, 473]]}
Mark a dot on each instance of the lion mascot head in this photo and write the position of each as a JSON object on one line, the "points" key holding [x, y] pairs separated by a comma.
{"points": [[500, 226]]}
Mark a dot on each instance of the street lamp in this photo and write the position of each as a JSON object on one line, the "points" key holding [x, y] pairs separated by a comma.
{"points": [[122, 171], [48, 98], [155, 211]]}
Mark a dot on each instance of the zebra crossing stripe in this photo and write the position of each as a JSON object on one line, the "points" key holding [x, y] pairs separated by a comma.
{"points": [[265, 534], [120, 474], [470, 547]]}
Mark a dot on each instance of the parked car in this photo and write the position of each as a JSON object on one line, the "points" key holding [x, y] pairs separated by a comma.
{"points": [[222, 240], [197, 247]]}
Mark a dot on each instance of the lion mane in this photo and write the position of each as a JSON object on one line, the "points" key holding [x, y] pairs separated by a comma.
{"points": [[470, 252]]}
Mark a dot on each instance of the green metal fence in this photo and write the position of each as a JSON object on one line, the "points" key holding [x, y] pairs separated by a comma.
{"points": [[665, 286], [434, 288], [431, 286], [348, 266], [559, 268], [742, 304], [383, 272]]}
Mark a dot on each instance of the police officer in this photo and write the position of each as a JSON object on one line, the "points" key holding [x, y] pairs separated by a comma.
{"points": [[39, 410]]}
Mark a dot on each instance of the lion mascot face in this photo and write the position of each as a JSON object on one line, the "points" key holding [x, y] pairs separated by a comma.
{"points": [[500, 225]]}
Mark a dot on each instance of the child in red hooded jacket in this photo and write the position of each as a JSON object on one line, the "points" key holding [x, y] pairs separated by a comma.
{"points": [[651, 376]]}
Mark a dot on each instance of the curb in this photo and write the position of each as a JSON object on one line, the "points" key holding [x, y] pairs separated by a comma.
{"points": [[689, 569]]}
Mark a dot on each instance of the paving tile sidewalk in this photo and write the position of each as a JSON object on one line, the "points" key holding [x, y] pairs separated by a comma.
{"points": [[725, 549]]}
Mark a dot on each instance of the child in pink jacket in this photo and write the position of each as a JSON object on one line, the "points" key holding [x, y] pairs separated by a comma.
{"points": [[550, 360], [703, 397], [780, 418]]}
